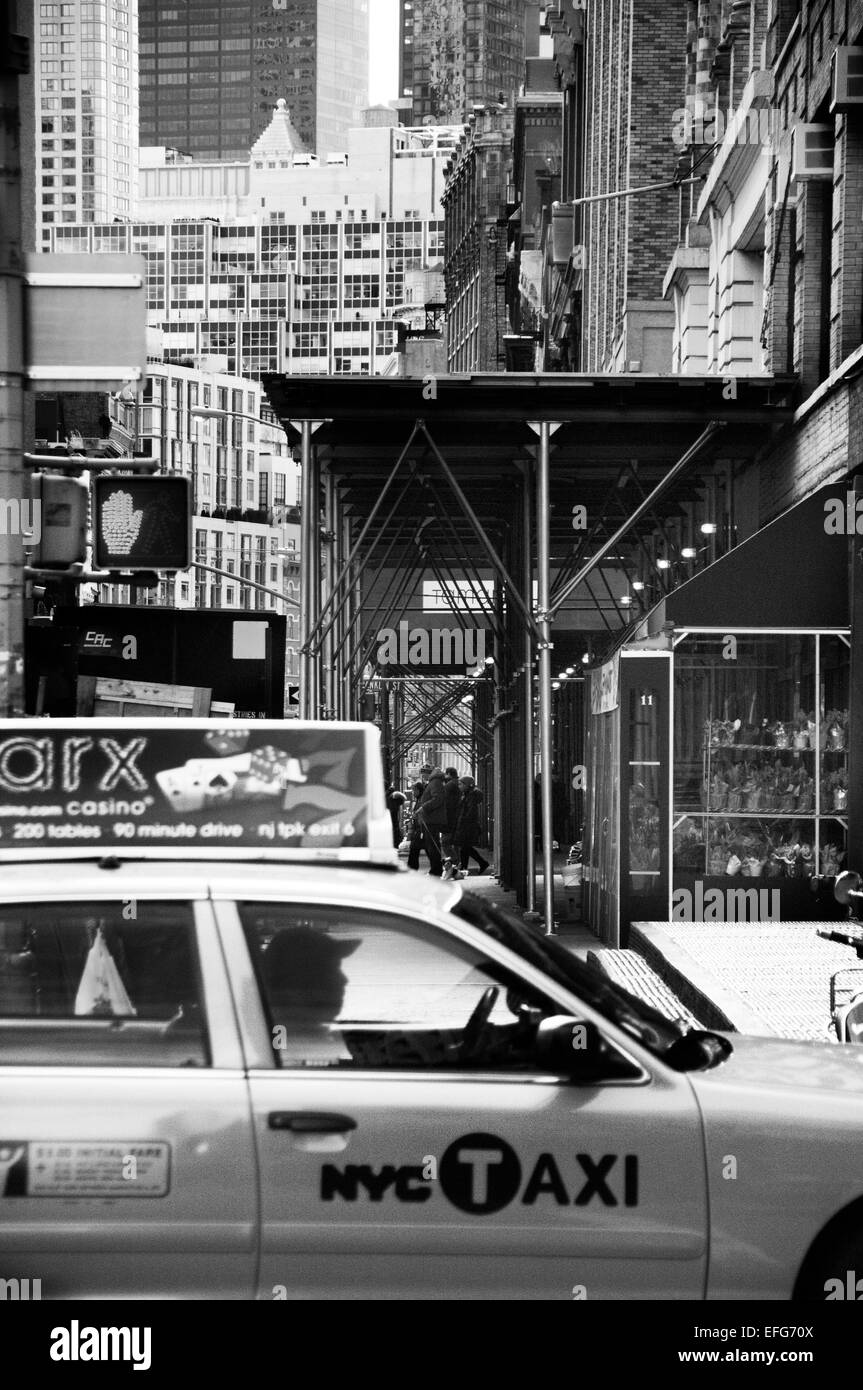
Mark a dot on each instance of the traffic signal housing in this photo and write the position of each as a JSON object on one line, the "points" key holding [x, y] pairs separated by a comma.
{"points": [[142, 523], [60, 535]]}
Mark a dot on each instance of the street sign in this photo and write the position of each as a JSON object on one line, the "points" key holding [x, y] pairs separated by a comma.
{"points": [[142, 523], [85, 322]]}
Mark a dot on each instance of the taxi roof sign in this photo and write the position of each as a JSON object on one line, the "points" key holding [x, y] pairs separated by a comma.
{"points": [[193, 788]]}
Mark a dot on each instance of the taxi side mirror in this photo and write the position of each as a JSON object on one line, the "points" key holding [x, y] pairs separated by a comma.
{"points": [[577, 1048]]}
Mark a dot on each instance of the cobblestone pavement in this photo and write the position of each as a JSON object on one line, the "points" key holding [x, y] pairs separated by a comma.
{"points": [[768, 973]]}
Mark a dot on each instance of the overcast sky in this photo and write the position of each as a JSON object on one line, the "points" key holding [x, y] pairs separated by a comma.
{"points": [[383, 50]]}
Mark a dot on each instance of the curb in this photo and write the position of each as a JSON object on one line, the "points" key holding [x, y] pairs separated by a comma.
{"points": [[720, 1007]]}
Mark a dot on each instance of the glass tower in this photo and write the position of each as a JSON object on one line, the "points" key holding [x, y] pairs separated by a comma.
{"points": [[85, 60], [211, 73]]}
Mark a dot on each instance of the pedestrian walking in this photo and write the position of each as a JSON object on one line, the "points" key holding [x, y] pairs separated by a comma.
{"points": [[431, 814], [416, 839], [452, 793], [395, 802], [467, 828]]}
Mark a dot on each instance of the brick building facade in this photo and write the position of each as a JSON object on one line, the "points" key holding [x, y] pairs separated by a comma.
{"points": [[633, 69], [477, 202]]}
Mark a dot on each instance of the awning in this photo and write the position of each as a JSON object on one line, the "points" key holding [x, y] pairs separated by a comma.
{"points": [[793, 573]]}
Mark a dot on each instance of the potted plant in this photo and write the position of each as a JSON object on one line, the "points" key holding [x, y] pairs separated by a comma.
{"points": [[831, 859], [801, 732], [805, 791], [835, 730], [837, 788]]}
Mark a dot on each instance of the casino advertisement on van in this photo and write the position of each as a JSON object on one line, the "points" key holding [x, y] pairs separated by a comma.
{"points": [[191, 784]]}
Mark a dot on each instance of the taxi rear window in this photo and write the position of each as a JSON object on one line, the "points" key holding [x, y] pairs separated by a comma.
{"points": [[101, 984]]}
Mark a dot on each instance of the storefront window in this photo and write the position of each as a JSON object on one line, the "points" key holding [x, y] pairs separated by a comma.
{"points": [[760, 761]]}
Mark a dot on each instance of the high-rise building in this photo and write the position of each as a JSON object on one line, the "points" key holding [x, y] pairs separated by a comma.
{"points": [[455, 54], [282, 262], [84, 85], [211, 73]]}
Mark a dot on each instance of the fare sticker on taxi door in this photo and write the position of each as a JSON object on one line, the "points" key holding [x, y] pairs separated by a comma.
{"points": [[75, 1168]]}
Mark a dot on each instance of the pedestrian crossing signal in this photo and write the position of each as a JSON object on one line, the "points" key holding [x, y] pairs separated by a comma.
{"points": [[142, 523]]}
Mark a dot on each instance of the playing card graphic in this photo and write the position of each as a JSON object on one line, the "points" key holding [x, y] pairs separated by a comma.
{"points": [[204, 783]]}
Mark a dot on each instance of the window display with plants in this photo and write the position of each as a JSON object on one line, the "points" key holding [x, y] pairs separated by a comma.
{"points": [[760, 743]]}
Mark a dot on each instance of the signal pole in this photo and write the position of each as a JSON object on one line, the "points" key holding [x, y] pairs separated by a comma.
{"points": [[14, 60]]}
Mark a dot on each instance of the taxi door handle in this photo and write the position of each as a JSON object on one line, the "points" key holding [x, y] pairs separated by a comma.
{"points": [[310, 1122]]}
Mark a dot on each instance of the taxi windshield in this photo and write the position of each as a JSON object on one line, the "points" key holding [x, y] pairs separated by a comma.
{"points": [[681, 1047]]}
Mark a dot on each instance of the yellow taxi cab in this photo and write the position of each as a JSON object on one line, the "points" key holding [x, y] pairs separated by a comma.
{"points": [[244, 1054]]}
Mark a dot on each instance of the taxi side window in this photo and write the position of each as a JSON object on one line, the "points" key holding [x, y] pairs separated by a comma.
{"points": [[361, 989], [100, 984]]}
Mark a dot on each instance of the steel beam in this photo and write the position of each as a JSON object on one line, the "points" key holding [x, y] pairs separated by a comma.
{"points": [[495, 560], [683, 462], [369, 521]]}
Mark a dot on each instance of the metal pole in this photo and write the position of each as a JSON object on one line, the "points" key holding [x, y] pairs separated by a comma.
{"points": [[314, 580], [630, 192], [502, 860], [543, 588], [211, 569], [527, 702], [329, 578], [338, 641], [11, 399], [356, 667], [308, 535], [347, 622]]}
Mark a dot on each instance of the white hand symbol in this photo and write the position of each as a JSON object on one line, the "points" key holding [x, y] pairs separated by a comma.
{"points": [[120, 523]]}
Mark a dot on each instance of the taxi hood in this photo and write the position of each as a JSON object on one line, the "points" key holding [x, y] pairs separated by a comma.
{"points": [[775, 1063]]}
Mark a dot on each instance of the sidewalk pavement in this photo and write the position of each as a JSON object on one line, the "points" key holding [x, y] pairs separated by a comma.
{"points": [[626, 968], [771, 978], [766, 978]]}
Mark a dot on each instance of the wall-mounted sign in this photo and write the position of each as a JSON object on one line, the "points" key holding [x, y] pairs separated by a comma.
{"points": [[604, 687]]}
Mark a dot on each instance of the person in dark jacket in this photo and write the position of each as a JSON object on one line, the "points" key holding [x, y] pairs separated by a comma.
{"points": [[467, 827], [452, 793], [431, 815], [418, 790], [395, 802]]}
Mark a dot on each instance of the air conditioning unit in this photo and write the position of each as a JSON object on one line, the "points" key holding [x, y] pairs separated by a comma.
{"points": [[846, 87], [812, 152]]}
